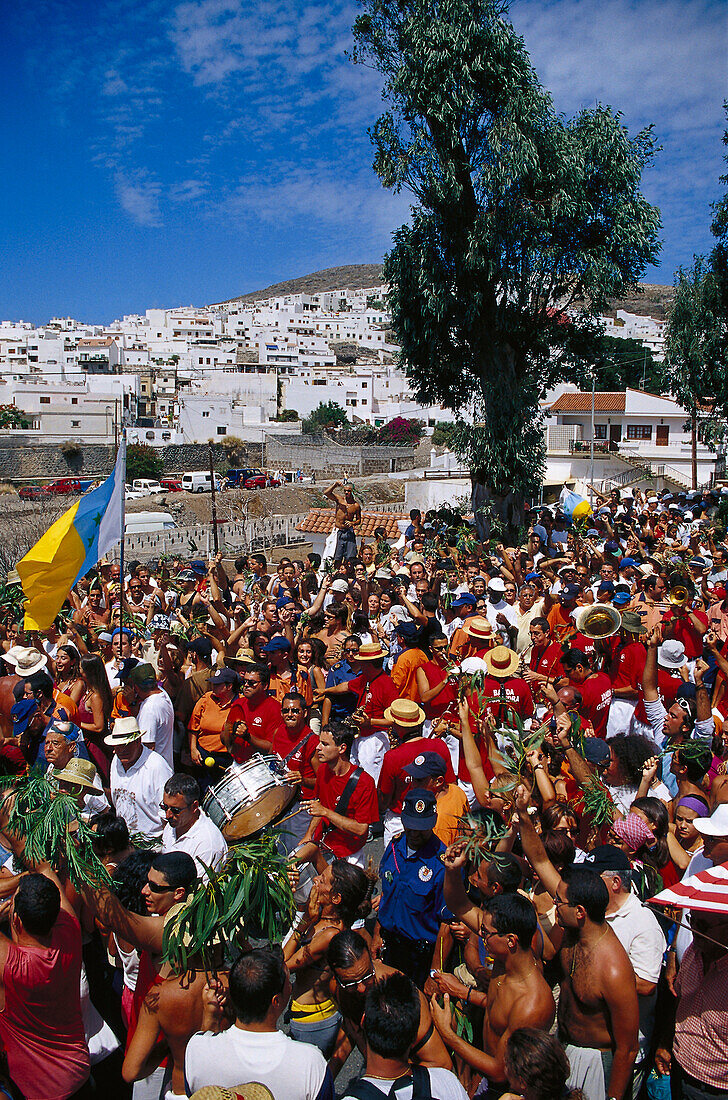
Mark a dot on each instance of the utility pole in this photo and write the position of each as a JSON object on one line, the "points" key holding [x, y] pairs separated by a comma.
{"points": [[694, 449], [213, 502]]}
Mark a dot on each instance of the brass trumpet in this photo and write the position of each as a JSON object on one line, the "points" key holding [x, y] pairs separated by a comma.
{"points": [[678, 595]]}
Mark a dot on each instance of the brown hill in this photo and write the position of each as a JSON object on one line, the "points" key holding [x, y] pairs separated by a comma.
{"points": [[649, 299], [352, 277]]}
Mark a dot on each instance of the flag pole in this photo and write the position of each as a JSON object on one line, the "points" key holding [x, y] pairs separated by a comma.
{"points": [[123, 531]]}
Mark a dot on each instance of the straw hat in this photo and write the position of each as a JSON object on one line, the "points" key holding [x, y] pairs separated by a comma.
{"points": [[501, 662], [252, 1091], [125, 731], [478, 628], [371, 651], [241, 659], [79, 773], [405, 713], [29, 661]]}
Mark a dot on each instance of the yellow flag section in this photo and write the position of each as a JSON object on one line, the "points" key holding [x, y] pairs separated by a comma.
{"points": [[72, 546]]}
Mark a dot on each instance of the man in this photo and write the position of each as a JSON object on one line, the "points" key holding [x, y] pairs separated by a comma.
{"points": [[156, 713], [412, 903], [518, 995], [337, 708], [407, 719], [698, 1061], [253, 1048], [560, 617], [428, 771], [278, 654], [415, 525], [640, 935], [625, 671], [188, 827], [650, 603], [502, 616], [544, 662], [295, 741], [528, 609], [341, 543], [252, 719], [412, 658], [595, 689], [391, 1022], [344, 803], [198, 683], [137, 778], [598, 1007], [375, 692], [41, 1026], [503, 684], [354, 972]]}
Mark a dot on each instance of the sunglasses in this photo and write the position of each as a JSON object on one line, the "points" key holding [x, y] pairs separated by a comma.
{"points": [[175, 811], [158, 888], [291, 710], [355, 981]]}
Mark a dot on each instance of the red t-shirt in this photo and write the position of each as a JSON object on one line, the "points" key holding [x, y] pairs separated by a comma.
{"points": [[41, 1026], [629, 666], [547, 661], [302, 759], [363, 807], [446, 700], [517, 692], [596, 693], [262, 719], [392, 777], [376, 696], [583, 644], [667, 686], [679, 626]]}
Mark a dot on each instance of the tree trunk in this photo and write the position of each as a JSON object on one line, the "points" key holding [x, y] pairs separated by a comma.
{"points": [[694, 450], [509, 510]]}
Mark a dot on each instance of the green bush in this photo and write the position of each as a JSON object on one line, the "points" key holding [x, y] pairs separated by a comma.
{"points": [[143, 461], [443, 434], [326, 415], [287, 416]]}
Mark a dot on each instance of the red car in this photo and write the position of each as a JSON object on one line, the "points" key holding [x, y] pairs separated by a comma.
{"points": [[64, 485], [171, 484], [31, 492]]}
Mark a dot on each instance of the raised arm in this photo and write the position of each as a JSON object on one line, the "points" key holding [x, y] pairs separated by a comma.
{"points": [[533, 848]]}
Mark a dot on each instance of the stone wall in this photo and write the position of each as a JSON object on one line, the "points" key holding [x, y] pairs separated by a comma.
{"points": [[21, 460], [325, 458]]}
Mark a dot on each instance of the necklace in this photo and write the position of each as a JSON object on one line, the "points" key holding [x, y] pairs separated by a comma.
{"points": [[379, 1077], [586, 954]]}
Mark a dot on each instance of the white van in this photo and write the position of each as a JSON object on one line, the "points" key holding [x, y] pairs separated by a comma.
{"points": [[145, 523], [197, 481], [144, 485]]}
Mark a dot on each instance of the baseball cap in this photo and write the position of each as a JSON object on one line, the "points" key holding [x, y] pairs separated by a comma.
{"points": [[621, 598], [607, 857], [496, 584], [716, 824], [596, 751], [339, 585], [533, 576], [21, 713], [627, 562], [606, 586], [570, 591], [198, 568], [466, 599], [611, 547], [125, 669], [276, 645], [142, 674], [224, 676], [283, 601], [202, 647], [426, 766], [406, 629], [419, 810]]}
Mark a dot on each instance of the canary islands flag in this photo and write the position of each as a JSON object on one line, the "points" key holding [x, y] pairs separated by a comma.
{"points": [[573, 506], [72, 546]]}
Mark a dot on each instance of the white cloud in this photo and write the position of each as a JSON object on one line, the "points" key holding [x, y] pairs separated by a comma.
{"points": [[139, 197]]}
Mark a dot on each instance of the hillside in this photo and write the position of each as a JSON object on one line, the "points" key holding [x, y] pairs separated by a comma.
{"points": [[651, 298], [352, 277]]}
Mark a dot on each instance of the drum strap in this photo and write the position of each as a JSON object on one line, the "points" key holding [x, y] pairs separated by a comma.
{"points": [[342, 804]]}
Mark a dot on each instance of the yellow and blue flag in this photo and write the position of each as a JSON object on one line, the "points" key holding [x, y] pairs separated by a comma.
{"points": [[72, 546], [574, 506]]}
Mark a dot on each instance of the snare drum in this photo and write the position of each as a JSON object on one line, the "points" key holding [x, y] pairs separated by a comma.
{"points": [[248, 797]]}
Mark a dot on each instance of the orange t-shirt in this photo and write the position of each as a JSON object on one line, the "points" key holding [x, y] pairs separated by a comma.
{"points": [[208, 721], [404, 673]]}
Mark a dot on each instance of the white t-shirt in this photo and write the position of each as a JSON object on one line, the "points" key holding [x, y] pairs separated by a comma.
{"points": [[640, 935], [493, 610], [156, 721], [291, 1070], [203, 841], [443, 1084], [137, 793]]}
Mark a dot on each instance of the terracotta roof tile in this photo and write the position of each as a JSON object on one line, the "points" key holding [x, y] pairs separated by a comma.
{"points": [[582, 402], [320, 521]]}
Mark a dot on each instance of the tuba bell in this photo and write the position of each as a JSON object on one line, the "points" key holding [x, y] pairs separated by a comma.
{"points": [[678, 595], [599, 620]]}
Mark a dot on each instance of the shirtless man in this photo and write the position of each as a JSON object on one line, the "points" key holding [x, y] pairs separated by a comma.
{"points": [[346, 518], [353, 973], [598, 1008], [518, 995]]}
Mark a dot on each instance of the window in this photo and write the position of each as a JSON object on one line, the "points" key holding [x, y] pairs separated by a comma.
{"points": [[74, 400], [364, 385], [222, 431], [45, 400], [75, 423], [600, 431], [206, 413], [639, 431]]}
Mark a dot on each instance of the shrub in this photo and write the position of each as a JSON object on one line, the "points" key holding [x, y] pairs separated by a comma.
{"points": [[71, 448], [143, 461], [401, 431], [288, 415], [326, 415]]}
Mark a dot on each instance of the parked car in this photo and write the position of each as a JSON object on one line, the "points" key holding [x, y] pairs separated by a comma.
{"points": [[66, 485], [147, 486], [197, 481], [31, 492], [171, 484], [251, 478]]}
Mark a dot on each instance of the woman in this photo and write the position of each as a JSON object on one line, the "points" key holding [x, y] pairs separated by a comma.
{"points": [[628, 755], [686, 840], [68, 673], [310, 676], [339, 896], [537, 1067], [121, 649], [209, 756], [561, 817], [129, 881], [94, 712], [336, 628]]}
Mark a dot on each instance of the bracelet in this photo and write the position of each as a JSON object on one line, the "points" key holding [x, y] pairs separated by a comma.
{"points": [[467, 999]]}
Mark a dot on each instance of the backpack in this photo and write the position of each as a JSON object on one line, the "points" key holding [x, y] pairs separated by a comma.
{"points": [[364, 1090]]}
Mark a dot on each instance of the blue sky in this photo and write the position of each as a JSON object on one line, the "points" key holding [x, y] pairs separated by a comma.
{"points": [[162, 154]]}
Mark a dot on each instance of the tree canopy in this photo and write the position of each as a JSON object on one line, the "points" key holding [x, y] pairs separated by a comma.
{"points": [[143, 461], [327, 414], [519, 214]]}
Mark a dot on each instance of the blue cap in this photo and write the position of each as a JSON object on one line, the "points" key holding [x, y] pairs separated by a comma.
{"points": [[419, 810], [283, 600], [276, 645], [541, 532], [198, 568], [593, 533], [622, 598], [466, 599], [606, 586], [121, 630], [406, 629], [627, 562], [426, 766], [21, 714], [611, 547], [533, 576], [224, 676], [125, 669], [570, 591]]}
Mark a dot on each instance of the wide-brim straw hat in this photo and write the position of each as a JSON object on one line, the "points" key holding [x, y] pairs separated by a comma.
{"points": [[252, 1091], [126, 730], [478, 628], [405, 712], [79, 773], [501, 662], [371, 651]]}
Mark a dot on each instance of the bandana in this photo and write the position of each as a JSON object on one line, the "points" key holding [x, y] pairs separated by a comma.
{"points": [[694, 804], [633, 831]]}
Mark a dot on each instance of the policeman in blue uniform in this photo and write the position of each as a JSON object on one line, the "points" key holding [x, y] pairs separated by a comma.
{"points": [[413, 903], [343, 706]]}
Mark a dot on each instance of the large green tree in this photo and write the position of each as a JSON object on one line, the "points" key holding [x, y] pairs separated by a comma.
{"points": [[519, 215]]}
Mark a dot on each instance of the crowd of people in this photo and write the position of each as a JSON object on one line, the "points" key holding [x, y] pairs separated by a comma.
{"points": [[494, 755]]}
